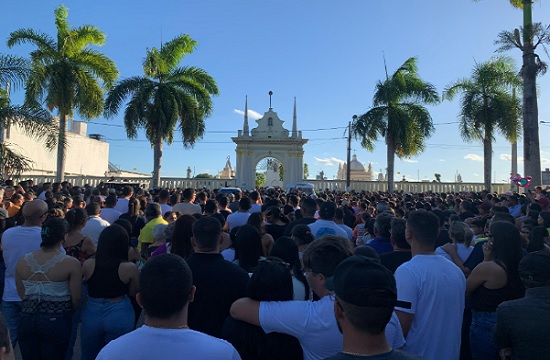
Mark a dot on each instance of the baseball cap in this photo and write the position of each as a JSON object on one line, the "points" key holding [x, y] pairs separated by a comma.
{"points": [[365, 282], [543, 201], [535, 267]]}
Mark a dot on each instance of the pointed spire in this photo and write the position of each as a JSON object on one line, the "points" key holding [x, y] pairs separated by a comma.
{"points": [[294, 122], [245, 125]]}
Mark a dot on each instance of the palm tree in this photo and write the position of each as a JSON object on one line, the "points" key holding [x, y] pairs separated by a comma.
{"points": [[524, 39], [166, 97], [34, 121], [488, 106], [398, 114], [66, 73]]}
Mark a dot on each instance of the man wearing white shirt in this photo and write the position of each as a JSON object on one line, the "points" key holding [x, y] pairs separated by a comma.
{"points": [[95, 224], [16, 242], [109, 213], [122, 203], [325, 224]]}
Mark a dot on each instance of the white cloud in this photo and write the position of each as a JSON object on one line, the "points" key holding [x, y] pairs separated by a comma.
{"points": [[508, 157], [411, 161], [329, 161], [474, 174], [251, 114], [442, 160], [473, 157], [544, 160]]}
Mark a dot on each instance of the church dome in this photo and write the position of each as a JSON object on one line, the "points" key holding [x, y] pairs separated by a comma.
{"points": [[355, 165]]}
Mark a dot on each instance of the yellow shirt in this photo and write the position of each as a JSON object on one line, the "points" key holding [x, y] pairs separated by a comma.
{"points": [[146, 234]]}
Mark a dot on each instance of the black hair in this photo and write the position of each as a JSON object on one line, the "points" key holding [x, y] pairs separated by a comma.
{"points": [[324, 254], [398, 233], [507, 250], [207, 232], [536, 238], [53, 232], [245, 203], [302, 234], [382, 224], [112, 246], [210, 206], [165, 284], [248, 247], [93, 208], [75, 217], [126, 224], [180, 244], [286, 249], [371, 320], [424, 226]]}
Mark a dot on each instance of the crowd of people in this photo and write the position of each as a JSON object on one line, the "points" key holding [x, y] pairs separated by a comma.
{"points": [[205, 274]]}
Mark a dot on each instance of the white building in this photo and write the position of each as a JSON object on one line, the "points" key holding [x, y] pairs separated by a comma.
{"points": [[357, 171], [84, 155]]}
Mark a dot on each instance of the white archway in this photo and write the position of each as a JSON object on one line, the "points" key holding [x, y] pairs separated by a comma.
{"points": [[269, 139]]}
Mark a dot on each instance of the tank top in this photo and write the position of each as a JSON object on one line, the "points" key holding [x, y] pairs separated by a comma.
{"points": [[45, 295], [484, 299], [105, 282], [76, 251]]}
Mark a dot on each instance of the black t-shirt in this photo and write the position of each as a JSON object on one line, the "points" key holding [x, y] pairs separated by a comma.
{"points": [[394, 259]]}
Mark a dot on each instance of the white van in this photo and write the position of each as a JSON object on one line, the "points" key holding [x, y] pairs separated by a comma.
{"points": [[305, 188]]}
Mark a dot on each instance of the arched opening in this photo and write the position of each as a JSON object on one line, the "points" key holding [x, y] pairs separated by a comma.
{"points": [[269, 172]]}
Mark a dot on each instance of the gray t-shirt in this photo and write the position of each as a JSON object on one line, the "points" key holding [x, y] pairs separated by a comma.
{"points": [[392, 355]]}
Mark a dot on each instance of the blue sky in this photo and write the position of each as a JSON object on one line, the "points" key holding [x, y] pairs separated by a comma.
{"points": [[327, 54]]}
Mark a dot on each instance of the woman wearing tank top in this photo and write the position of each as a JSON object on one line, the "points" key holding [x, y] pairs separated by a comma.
{"points": [[111, 280], [77, 244], [491, 282], [49, 283]]}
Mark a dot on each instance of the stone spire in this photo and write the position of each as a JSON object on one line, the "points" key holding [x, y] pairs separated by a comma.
{"points": [[246, 131], [294, 122]]}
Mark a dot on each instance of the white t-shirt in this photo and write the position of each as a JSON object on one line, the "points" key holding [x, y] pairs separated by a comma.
{"points": [[94, 227], [314, 325], [110, 214], [322, 227], [187, 208], [16, 242], [462, 251], [255, 208], [164, 208], [435, 288], [147, 343], [122, 205], [237, 219]]}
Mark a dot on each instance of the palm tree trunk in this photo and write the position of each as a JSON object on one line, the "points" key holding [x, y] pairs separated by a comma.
{"points": [[531, 142], [157, 160], [391, 163], [60, 175], [487, 162], [514, 162]]}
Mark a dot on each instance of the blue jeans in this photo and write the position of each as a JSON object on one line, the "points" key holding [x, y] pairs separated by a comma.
{"points": [[104, 320], [44, 335], [482, 336], [12, 312], [76, 320]]}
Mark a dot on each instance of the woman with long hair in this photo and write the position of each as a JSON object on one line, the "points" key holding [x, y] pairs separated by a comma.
{"points": [[77, 244], [536, 239], [277, 222], [135, 215], [271, 281], [248, 248], [493, 281], [257, 220], [49, 283], [111, 280], [180, 244], [286, 249]]}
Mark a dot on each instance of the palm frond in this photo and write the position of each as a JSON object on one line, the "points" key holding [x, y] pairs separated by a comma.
{"points": [[173, 52], [13, 69]]}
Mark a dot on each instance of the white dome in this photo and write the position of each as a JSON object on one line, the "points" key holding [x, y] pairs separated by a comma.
{"points": [[356, 164]]}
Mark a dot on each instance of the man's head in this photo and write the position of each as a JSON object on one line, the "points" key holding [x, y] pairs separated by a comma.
{"points": [[327, 210], [308, 207], [321, 258], [93, 209], [422, 228], [382, 224], [207, 232], [153, 211], [166, 286], [35, 212], [188, 194], [365, 295], [127, 191], [397, 237], [534, 269], [110, 201], [245, 204]]}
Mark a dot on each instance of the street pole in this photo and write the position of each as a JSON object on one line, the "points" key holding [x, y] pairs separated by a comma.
{"points": [[348, 168]]}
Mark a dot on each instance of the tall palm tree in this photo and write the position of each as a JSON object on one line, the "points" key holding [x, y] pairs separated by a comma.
{"points": [[34, 121], [527, 39], [398, 115], [165, 97], [488, 106], [67, 73]]}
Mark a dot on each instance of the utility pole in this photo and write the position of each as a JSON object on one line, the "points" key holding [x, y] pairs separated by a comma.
{"points": [[348, 168]]}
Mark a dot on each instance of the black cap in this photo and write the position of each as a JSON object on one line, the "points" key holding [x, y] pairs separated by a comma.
{"points": [[535, 267], [365, 282]]}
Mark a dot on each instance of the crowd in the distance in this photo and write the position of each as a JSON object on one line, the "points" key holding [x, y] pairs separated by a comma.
{"points": [[169, 273]]}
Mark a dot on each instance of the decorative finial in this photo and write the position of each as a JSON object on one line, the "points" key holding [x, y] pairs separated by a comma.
{"points": [[270, 94]]}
